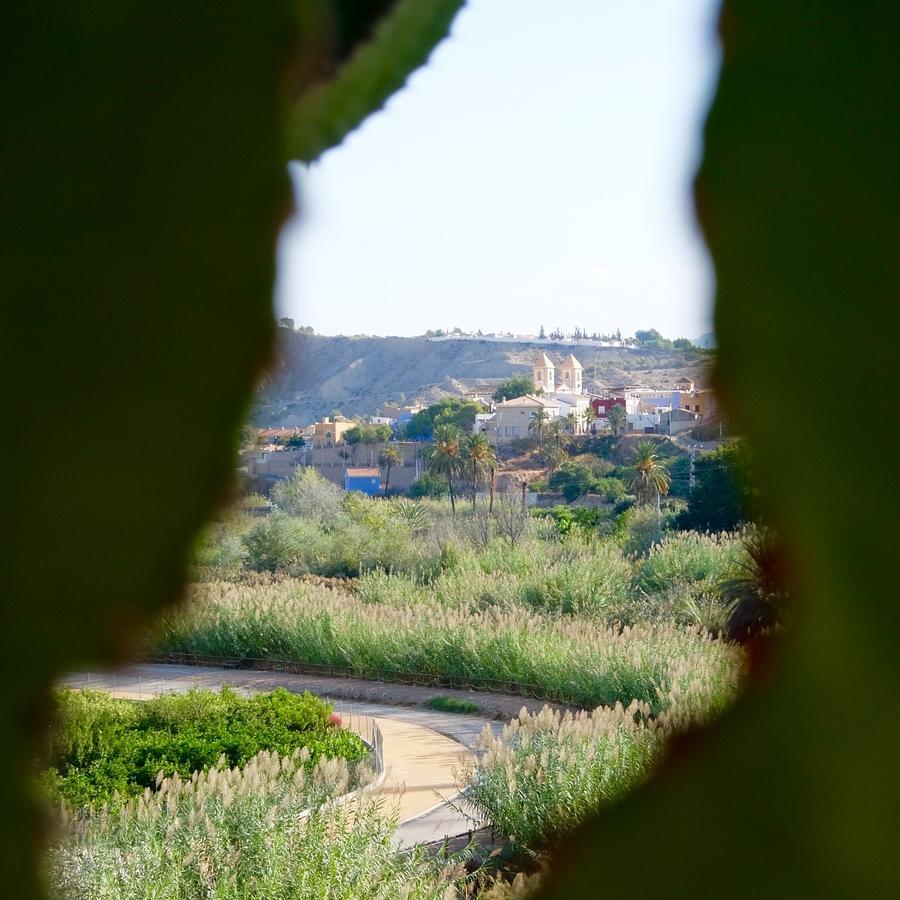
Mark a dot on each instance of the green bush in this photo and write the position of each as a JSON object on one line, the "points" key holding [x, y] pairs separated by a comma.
{"points": [[282, 543], [452, 704], [689, 558], [101, 746], [310, 496], [429, 485]]}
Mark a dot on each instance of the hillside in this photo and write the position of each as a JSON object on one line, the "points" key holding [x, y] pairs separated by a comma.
{"points": [[315, 375]]}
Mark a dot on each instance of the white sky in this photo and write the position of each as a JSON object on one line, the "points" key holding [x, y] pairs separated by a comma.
{"points": [[536, 172]]}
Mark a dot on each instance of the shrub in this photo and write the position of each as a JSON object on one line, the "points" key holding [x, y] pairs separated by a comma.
{"points": [[452, 704], [429, 485], [281, 543], [103, 746], [311, 496], [689, 558]]}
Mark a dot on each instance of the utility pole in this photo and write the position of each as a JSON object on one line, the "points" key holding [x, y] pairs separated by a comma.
{"points": [[692, 478]]}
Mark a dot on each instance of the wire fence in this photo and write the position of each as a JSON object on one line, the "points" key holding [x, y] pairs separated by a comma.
{"points": [[388, 676]]}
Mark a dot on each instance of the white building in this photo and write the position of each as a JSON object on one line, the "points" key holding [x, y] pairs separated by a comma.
{"points": [[513, 419], [559, 396]]}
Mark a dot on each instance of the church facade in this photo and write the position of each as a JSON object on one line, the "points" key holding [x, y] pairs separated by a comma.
{"points": [[558, 394]]}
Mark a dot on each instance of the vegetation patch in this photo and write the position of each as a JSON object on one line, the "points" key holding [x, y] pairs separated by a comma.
{"points": [[452, 704], [574, 659], [103, 747], [264, 830]]}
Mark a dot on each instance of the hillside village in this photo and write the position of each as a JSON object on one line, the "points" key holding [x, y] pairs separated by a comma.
{"points": [[546, 419], [315, 375]]}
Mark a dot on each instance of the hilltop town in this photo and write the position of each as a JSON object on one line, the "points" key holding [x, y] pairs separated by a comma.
{"points": [[316, 375], [536, 423]]}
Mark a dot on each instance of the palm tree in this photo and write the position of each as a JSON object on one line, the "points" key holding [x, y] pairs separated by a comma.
{"points": [[443, 456], [556, 428], [649, 477], [539, 420], [590, 414], [572, 420], [390, 456], [555, 457], [617, 418], [493, 483], [480, 455]]}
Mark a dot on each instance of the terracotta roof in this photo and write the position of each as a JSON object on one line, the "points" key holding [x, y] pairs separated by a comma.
{"points": [[363, 473], [571, 363], [544, 361]]}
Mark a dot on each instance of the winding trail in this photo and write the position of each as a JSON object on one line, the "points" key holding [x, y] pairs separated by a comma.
{"points": [[423, 749]]}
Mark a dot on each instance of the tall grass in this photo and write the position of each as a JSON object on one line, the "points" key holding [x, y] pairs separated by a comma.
{"points": [[261, 831], [547, 772], [580, 660]]}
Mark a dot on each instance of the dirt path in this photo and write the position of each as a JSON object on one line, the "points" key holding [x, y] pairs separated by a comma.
{"points": [[141, 677]]}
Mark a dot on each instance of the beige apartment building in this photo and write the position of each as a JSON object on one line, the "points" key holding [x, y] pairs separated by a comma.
{"points": [[330, 432]]}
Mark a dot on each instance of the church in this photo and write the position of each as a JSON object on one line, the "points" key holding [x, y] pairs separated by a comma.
{"points": [[558, 392]]}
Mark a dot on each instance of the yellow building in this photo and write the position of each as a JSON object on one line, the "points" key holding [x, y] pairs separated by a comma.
{"points": [[330, 432], [702, 402]]}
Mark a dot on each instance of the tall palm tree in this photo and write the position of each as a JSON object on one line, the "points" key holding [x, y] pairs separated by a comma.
{"points": [[617, 418], [390, 456], [590, 415], [539, 420], [649, 477], [556, 429], [443, 457], [481, 458]]}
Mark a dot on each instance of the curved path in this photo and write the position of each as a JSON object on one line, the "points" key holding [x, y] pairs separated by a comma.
{"points": [[423, 749]]}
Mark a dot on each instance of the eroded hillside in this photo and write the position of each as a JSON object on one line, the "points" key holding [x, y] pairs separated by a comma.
{"points": [[315, 375]]}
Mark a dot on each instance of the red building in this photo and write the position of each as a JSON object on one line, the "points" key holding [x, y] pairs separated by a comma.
{"points": [[602, 405]]}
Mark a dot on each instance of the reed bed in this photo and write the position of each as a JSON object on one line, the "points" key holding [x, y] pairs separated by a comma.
{"points": [[547, 772], [264, 831], [581, 660]]}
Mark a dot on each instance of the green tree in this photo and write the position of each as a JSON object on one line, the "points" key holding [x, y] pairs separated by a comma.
{"points": [[517, 386], [449, 411], [538, 423], [617, 419], [480, 458], [648, 478], [444, 456], [573, 480], [651, 339], [390, 456], [429, 485], [725, 493]]}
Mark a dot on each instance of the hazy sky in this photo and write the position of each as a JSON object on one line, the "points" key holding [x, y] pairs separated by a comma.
{"points": [[536, 172]]}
